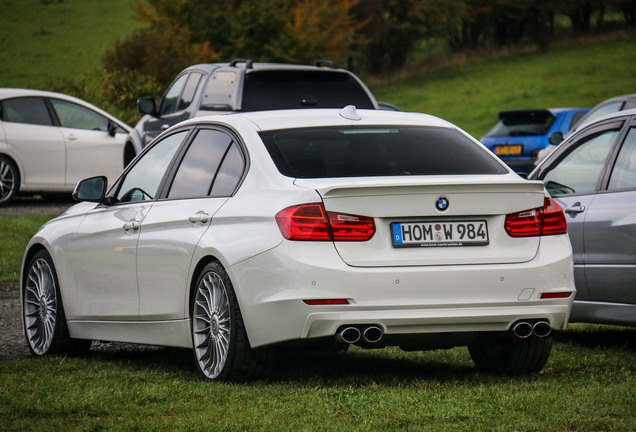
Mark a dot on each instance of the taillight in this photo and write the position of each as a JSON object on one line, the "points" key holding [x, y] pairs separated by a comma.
{"points": [[312, 222], [541, 221]]}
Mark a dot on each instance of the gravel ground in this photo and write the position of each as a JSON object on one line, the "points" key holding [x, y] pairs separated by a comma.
{"points": [[13, 345]]}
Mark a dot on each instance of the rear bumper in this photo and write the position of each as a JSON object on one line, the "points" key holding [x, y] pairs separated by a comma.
{"points": [[417, 300]]}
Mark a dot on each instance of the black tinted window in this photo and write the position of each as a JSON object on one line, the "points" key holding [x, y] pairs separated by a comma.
{"points": [[31, 110], [376, 151], [268, 90], [200, 164], [188, 91], [75, 116], [522, 123], [230, 173]]}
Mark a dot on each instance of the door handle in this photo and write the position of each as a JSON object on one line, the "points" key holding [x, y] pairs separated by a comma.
{"points": [[199, 216], [132, 225], [164, 126], [574, 209], [71, 137]]}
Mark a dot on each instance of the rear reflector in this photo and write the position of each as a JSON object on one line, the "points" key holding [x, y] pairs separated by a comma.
{"points": [[326, 302], [554, 295], [312, 222], [541, 221]]}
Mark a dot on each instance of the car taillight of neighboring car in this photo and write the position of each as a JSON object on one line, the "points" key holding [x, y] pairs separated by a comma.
{"points": [[313, 222], [540, 221]]}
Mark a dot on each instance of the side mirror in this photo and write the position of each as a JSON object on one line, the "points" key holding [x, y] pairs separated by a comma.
{"points": [[556, 138], [146, 105], [112, 128], [91, 189]]}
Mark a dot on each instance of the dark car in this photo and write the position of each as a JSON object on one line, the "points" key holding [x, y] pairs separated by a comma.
{"points": [[592, 175], [243, 85], [519, 135]]}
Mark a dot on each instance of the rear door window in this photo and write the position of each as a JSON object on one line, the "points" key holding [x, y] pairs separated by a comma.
{"points": [[377, 151], [30, 110]]}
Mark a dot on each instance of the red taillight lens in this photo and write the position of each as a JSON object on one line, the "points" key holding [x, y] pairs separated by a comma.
{"points": [[541, 221], [555, 295], [312, 222], [322, 302]]}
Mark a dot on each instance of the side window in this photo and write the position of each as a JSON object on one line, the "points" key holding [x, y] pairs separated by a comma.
{"points": [[230, 173], [142, 181], [605, 109], [31, 110], [189, 91], [78, 117], [579, 170], [200, 164], [171, 98], [219, 89], [624, 173]]}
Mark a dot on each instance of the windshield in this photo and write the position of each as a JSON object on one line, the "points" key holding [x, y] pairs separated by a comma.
{"points": [[376, 151]]}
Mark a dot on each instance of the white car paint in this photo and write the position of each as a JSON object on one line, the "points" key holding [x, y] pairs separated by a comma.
{"points": [[134, 284], [55, 158]]}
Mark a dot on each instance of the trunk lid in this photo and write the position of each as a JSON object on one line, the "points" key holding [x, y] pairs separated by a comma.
{"points": [[408, 205]]}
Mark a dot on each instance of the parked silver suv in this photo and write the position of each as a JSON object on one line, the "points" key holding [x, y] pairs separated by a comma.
{"points": [[243, 85]]}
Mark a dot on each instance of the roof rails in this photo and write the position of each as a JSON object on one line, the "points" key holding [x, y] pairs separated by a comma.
{"points": [[248, 63], [328, 63]]}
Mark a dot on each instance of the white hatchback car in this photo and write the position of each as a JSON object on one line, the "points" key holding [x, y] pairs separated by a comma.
{"points": [[235, 234], [50, 141]]}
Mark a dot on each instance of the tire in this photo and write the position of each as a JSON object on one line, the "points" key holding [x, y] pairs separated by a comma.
{"points": [[222, 351], [9, 180], [43, 316], [511, 356]]}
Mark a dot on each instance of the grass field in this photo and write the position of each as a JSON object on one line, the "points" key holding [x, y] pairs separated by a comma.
{"points": [[44, 39], [470, 95], [588, 385]]}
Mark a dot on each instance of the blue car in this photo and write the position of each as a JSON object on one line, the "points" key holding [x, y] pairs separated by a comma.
{"points": [[519, 135]]}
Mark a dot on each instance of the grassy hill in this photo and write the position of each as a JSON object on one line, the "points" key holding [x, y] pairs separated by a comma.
{"points": [[471, 95], [44, 39]]}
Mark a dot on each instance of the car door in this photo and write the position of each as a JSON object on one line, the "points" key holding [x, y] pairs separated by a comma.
{"points": [[90, 149], [174, 105], [610, 231], [207, 175], [574, 179], [103, 253], [34, 141]]}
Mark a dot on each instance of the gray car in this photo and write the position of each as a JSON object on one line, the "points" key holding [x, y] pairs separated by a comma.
{"points": [[592, 175]]}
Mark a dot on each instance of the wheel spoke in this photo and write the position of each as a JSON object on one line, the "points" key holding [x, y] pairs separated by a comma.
{"points": [[40, 306]]}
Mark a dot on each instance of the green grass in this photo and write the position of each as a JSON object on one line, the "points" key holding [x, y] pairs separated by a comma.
{"points": [[15, 233], [44, 39], [588, 385], [471, 93]]}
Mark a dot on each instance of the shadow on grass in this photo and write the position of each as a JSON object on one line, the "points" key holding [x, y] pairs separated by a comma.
{"points": [[355, 367], [598, 336]]}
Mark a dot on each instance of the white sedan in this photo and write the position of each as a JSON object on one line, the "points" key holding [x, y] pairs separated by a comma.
{"points": [[235, 234], [50, 141]]}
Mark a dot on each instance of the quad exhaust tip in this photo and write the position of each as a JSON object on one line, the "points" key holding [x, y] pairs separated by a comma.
{"points": [[369, 334], [524, 329]]}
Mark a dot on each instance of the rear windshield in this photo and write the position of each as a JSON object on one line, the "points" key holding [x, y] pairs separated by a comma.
{"points": [[376, 151], [271, 90], [531, 123]]}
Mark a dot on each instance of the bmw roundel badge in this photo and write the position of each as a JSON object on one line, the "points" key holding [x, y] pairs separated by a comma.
{"points": [[442, 203]]}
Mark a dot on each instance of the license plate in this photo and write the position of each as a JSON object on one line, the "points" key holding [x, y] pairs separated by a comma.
{"points": [[509, 149], [440, 234]]}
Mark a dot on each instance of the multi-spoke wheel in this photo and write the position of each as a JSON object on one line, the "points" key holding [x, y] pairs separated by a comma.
{"points": [[221, 348], [9, 180], [44, 322]]}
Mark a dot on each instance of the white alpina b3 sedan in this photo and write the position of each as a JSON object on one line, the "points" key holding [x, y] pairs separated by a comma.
{"points": [[232, 235]]}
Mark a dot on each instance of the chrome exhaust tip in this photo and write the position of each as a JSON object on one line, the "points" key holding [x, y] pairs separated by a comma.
{"points": [[542, 329], [348, 335], [522, 329], [372, 334]]}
